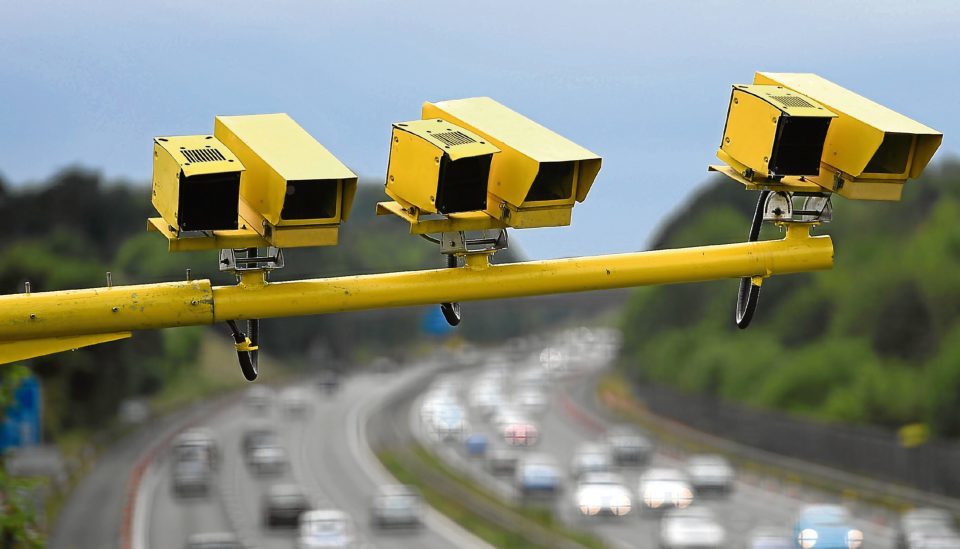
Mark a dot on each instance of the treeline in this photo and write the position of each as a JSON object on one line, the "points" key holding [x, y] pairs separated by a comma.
{"points": [[69, 231], [875, 340]]}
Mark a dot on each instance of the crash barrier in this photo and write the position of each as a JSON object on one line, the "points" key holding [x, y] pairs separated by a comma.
{"points": [[933, 466]]}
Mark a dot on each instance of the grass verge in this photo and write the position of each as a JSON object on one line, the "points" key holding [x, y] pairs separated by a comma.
{"points": [[405, 463]]}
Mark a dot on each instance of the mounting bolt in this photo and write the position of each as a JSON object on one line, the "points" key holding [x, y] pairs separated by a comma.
{"points": [[33, 316], [115, 309]]}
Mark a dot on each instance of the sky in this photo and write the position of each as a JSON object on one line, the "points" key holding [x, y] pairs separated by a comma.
{"points": [[644, 85]]}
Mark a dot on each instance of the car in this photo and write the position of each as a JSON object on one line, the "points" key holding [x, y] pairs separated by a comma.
{"points": [[213, 540], [295, 402], [282, 506], [692, 527], [328, 381], [662, 488], [257, 399], [769, 537], [537, 475], [521, 433], [258, 435], [200, 439], [710, 473], [917, 526], [476, 444], [397, 505], [435, 401], [826, 526], [192, 475], [602, 494], [591, 457], [502, 461], [267, 460], [449, 423], [629, 448], [325, 528]]}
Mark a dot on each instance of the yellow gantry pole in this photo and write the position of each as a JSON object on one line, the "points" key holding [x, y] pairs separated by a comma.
{"points": [[45, 315]]}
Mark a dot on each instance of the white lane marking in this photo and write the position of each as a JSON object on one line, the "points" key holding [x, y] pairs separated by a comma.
{"points": [[357, 418], [142, 507]]}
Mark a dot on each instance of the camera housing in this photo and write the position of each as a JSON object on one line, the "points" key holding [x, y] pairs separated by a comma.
{"points": [[436, 167], [772, 132], [538, 175], [869, 151], [294, 193], [196, 184]]}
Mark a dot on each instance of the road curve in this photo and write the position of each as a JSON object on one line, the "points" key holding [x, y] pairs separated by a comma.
{"points": [[329, 458]]}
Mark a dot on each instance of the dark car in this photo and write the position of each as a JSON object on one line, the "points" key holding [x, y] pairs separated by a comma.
{"points": [[257, 436], [328, 381], [192, 475], [283, 504], [628, 447]]}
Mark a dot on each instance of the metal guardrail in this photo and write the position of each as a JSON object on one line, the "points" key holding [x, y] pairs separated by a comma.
{"points": [[796, 451]]}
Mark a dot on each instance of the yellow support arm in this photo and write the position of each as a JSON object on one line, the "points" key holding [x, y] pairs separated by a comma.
{"points": [[44, 315]]}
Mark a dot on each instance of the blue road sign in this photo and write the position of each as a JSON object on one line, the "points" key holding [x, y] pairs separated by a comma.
{"points": [[21, 420], [435, 324]]}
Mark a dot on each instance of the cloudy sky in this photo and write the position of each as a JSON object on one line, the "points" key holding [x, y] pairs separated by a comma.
{"points": [[642, 84]]}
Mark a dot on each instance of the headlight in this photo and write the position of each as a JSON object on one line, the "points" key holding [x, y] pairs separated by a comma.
{"points": [[620, 506], [684, 498], [589, 506], [807, 538], [854, 539], [652, 499]]}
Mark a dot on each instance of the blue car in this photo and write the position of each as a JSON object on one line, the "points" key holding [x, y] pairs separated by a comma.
{"points": [[538, 475], [826, 527]]}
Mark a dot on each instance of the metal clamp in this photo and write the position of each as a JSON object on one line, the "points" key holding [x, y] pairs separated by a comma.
{"points": [[245, 260]]}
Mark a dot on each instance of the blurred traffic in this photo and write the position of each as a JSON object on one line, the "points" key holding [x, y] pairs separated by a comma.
{"points": [[284, 466]]}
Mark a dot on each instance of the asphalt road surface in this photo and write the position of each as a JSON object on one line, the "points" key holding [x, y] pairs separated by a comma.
{"points": [[563, 428], [328, 461]]}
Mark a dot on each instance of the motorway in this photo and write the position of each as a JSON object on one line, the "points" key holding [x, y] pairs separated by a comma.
{"points": [[328, 457], [570, 421]]}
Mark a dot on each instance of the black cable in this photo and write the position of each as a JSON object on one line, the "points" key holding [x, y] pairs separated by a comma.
{"points": [[248, 359], [748, 294], [451, 311]]}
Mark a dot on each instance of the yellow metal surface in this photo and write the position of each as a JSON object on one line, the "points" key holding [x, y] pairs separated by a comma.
{"points": [[45, 315], [526, 148], [753, 116], [169, 162], [529, 217], [289, 236], [786, 184], [858, 133], [216, 240], [14, 351], [277, 152], [416, 151], [467, 221], [798, 252]]}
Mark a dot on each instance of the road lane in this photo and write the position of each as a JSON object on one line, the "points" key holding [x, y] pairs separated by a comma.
{"points": [[564, 427], [322, 461]]}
